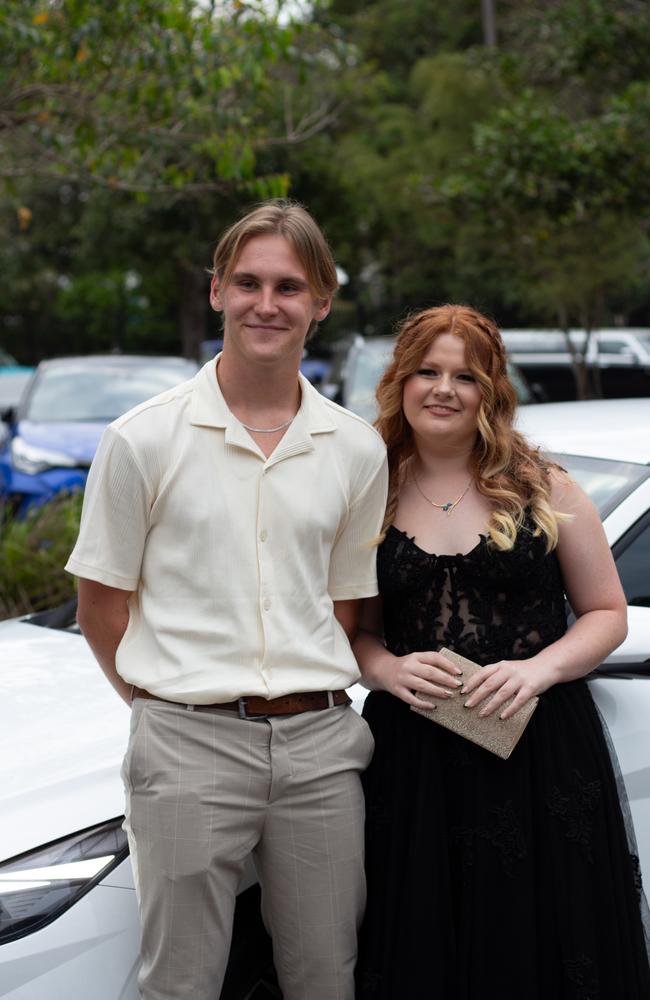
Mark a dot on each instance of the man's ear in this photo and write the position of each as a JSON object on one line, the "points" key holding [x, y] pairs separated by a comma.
{"points": [[215, 294], [323, 307]]}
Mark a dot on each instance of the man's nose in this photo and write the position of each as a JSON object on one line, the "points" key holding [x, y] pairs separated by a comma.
{"points": [[266, 301]]}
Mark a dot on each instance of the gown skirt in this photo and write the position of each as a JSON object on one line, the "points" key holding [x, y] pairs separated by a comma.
{"points": [[487, 878]]}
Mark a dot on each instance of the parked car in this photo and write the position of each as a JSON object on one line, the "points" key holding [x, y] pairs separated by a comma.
{"points": [[355, 375], [67, 903], [13, 379], [623, 347], [52, 435], [68, 916], [617, 359]]}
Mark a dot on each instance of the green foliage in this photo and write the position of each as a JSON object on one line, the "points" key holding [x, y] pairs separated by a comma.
{"points": [[395, 35], [581, 49], [561, 202], [33, 552], [138, 97], [134, 132]]}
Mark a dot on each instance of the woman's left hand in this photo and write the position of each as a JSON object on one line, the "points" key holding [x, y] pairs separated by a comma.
{"points": [[498, 682]]}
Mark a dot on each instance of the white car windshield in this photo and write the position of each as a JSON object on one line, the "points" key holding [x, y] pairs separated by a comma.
{"points": [[605, 481]]}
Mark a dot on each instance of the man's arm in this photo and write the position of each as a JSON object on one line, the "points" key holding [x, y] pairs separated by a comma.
{"points": [[347, 614], [103, 616]]}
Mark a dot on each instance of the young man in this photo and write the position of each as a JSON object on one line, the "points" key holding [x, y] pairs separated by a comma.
{"points": [[223, 551]]}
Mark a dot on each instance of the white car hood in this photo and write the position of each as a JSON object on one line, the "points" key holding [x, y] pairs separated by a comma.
{"points": [[63, 732], [615, 429]]}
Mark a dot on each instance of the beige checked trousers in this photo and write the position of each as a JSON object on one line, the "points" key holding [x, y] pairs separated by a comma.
{"points": [[207, 789]]}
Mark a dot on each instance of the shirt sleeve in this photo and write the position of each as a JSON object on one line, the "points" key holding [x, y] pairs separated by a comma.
{"points": [[115, 517], [353, 571]]}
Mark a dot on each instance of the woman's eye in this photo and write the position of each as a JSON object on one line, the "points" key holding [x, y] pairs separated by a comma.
{"points": [[426, 372], [466, 377]]}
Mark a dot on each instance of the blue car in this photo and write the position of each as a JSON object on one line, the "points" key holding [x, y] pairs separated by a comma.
{"points": [[50, 438]]}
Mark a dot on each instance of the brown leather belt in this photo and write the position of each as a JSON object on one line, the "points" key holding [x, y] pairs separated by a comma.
{"points": [[288, 704]]}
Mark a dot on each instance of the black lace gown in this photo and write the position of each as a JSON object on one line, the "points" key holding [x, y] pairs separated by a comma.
{"points": [[490, 878]]}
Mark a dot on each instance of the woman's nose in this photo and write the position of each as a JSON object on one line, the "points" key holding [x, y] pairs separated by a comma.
{"points": [[444, 384]]}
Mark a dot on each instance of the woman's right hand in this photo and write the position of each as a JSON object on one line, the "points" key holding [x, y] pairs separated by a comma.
{"points": [[427, 672]]}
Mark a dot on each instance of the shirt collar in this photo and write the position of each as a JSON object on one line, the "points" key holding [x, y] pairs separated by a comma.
{"points": [[208, 408]]}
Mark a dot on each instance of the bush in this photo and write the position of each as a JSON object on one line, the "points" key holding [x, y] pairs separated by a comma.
{"points": [[33, 552]]}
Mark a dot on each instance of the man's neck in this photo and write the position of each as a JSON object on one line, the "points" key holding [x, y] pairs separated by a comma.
{"points": [[256, 393]]}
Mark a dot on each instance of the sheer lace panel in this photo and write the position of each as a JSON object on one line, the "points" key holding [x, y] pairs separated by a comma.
{"points": [[487, 605]]}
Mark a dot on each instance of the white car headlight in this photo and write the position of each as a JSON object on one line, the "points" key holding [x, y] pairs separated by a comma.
{"points": [[37, 887], [31, 459]]}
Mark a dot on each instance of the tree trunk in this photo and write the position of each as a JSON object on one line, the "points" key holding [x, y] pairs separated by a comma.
{"points": [[193, 309], [489, 23], [577, 356]]}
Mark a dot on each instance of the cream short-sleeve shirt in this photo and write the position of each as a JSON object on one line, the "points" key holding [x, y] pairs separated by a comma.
{"points": [[233, 559]]}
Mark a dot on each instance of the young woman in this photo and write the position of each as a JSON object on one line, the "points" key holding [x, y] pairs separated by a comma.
{"points": [[489, 877]]}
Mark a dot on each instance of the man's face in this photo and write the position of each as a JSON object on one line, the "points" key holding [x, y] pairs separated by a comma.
{"points": [[268, 306]]}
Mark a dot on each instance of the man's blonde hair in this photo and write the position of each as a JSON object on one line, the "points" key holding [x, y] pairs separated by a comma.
{"points": [[280, 217]]}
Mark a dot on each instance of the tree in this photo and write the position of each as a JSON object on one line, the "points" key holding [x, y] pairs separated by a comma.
{"points": [[140, 118], [514, 179], [555, 186]]}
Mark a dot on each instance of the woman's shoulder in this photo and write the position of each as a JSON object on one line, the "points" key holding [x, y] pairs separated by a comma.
{"points": [[567, 496]]}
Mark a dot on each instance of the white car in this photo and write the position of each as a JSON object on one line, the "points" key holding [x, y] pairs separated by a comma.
{"points": [[618, 347], [68, 918]]}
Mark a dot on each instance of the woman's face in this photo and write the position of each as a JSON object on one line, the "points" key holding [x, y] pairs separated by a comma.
{"points": [[442, 398]]}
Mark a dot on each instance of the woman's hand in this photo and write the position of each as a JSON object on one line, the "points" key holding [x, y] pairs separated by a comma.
{"points": [[497, 682], [420, 673]]}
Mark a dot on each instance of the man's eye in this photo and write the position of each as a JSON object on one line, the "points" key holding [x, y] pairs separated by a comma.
{"points": [[288, 289], [245, 283]]}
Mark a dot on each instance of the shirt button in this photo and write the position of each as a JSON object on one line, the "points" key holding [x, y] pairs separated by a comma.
{"points": [[267, 604], [263, 535]]}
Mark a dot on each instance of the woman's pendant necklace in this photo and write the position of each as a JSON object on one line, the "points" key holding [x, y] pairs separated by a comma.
{"points": [[446, 507]]}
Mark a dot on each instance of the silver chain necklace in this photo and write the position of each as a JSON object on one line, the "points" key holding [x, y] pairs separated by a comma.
{"points": [[268, 430]]}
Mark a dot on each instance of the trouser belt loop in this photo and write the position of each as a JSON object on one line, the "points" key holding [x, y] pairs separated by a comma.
{"points": [[241, 705], [330, 699]]}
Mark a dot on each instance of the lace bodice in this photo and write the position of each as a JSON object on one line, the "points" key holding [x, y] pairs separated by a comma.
{"points": [[487, 605]]}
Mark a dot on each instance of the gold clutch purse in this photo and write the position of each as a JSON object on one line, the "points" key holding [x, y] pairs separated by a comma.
{"points": [[499, 736]]}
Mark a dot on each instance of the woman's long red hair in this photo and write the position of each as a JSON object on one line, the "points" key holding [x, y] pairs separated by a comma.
{"points": [[506, 468]]}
